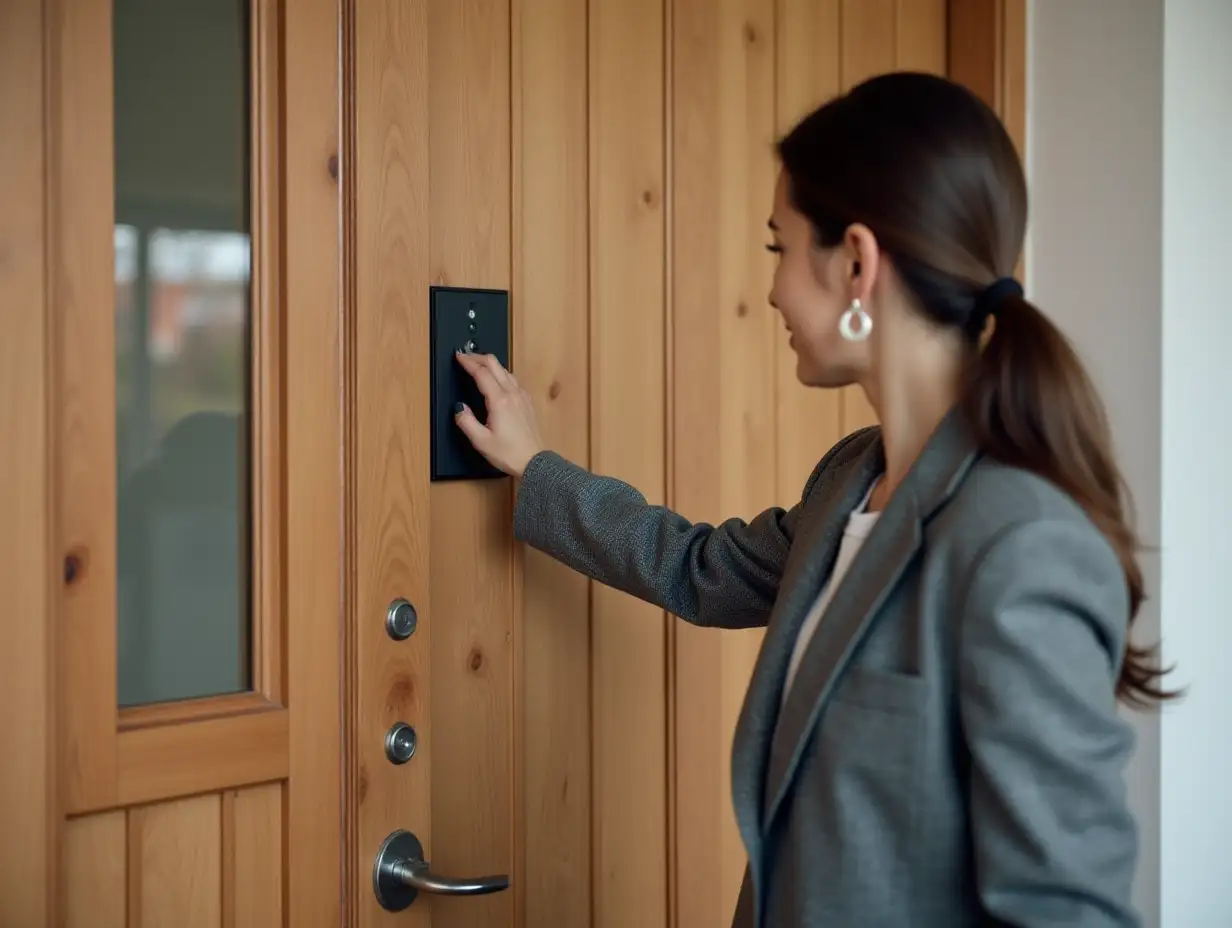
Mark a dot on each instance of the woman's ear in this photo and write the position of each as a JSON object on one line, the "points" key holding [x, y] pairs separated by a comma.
{"points": [[861, 251]]}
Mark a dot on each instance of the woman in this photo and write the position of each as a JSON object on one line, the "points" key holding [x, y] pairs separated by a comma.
{"points": [[930, 735]]}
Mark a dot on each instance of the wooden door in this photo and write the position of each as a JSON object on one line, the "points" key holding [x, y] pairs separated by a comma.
{"points": [[225, 233], [177, 238]]}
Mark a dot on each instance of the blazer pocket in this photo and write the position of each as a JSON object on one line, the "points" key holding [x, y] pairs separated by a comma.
{"points": [[882, 690]]}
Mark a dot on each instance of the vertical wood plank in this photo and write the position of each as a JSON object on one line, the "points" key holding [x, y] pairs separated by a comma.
{"points": [[313, 869], [96, 858], [808, 53], [869, 40], [920, 36], [83, 294], [868, 34], [974, 59], [724, 384], [550, 337], [987, 53], [177, 848], [472, 590], [1013, 41], [696, 433], [392, 521], [29, 819], [253, 836], [227, 843], [627, 346]]}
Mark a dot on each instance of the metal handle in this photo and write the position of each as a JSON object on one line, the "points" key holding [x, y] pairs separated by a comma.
{"points": [[400, 874]]}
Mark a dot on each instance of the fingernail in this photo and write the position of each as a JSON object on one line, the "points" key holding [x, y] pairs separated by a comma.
{"points": [[458, 408]]}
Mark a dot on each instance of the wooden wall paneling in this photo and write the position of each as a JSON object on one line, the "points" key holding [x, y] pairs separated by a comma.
{"points": [[29, 819], [1013, 109], [628, 439], [808, 55], [313, 514], [81, 160], [175, 863], [869, 34], [252, 849], [95, 854], [470, 210], [390, 490], [724, 383], [974, 59], [921, 39], [551, 357], [213, 861], [987, 52]]}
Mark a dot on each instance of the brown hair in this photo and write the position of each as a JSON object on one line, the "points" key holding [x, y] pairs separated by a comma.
{"points": [[929, 168]]}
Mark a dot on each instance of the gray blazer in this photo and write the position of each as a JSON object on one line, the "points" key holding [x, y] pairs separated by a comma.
{"points": [[950, 753]]}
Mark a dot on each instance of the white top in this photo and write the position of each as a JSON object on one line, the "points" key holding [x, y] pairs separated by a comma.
{"points": [[859, 524]]}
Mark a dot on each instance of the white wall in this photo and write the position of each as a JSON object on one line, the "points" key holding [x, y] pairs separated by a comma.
{"points": [[1196, 758], [1128, 117]]}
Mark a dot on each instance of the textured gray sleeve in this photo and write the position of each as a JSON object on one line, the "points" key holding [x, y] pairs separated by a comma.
{"points": [[725, 575], [1041, 644]]}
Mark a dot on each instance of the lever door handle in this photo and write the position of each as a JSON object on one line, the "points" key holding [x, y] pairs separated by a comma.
{"points": [[400, 874]]}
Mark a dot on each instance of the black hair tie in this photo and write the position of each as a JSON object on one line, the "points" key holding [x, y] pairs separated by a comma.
{"points": [[989, 301]]}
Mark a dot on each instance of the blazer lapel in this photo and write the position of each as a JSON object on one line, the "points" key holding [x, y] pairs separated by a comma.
{"points": [[800, 586], [872, 576]]}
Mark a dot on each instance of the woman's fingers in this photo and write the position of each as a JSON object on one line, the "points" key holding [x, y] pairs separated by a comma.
{"points": [[491, 378], [499, 374], [488, 385], [472, 428], [510, 437]]}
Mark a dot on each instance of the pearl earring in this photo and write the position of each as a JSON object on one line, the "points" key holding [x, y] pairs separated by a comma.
{"points": [[855, 324]]}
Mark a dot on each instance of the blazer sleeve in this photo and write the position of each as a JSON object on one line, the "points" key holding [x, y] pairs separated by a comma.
{"points": [[1040, 647], [724, 575]]}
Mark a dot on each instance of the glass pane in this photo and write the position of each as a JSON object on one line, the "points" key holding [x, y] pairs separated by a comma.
{"points": [[183, 310]]}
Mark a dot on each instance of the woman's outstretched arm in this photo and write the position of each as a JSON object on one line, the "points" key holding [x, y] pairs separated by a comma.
{"points": [[725, 575]]}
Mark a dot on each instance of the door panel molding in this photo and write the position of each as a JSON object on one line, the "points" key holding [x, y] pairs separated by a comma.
{"points": [[98, 755], [29, 854]]}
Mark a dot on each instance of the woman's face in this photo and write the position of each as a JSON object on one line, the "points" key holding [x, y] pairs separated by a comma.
{"points": [[813, 287]]}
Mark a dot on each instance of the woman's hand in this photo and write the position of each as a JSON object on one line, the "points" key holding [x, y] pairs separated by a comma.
{"points": [[511, 436]]}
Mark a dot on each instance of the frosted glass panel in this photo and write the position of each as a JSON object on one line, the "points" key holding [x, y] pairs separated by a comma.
{"points": [[183, 309]]}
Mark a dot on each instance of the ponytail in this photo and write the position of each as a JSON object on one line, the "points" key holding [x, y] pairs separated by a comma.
{"points": [[1033, 406]]}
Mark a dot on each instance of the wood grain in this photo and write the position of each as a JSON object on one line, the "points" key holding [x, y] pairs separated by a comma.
{"points": [[470, 209], [869, 36], [268, 325], [83, 294], [724, 386], [974, 59], [313, 868], [180, 759], [254, 870], [920, 40], [175, 864], [392, 518], [1014, 72], [550, 339], [28, 787], [808, 58], [95, 853], [628, 435]]}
